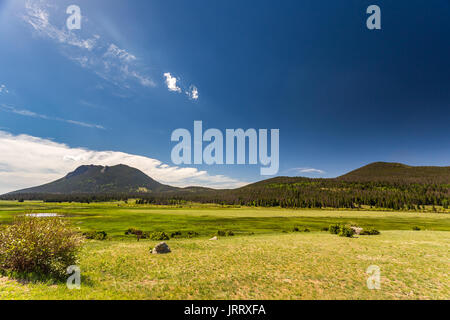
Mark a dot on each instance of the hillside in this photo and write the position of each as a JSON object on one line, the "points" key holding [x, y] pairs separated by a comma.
{"points": [[99, 179], [397, 172]]}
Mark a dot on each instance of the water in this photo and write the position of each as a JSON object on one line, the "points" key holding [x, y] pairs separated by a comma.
{"points": [[42, 215]]}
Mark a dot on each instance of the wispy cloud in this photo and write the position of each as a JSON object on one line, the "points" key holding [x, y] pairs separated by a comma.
{"points": [[28, 113], [106, 59], [47, 160], [38, 17], [306, 170], [3, 89]]}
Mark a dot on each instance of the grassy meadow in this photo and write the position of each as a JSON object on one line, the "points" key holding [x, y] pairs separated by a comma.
{"points": [[264, 260]]}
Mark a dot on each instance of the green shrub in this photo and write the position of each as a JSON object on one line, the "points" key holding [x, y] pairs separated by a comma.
{"points": [[345, 231], [221, 233], [324, 229], [133, 231], [334, 228], [95, 235], [416, 228], [229, 233], [192, 234], [175, 234], [158, 236], [370, 232], [40, 245], [295, 229], [306, 230]]}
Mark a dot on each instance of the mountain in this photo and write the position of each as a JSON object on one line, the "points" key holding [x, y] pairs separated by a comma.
{"points": [[397, 172], [99, 179], [123, 179]]}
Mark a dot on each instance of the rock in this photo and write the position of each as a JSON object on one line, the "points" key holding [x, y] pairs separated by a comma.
{"points": [[214, 238], [357, 230], [161, 248]]}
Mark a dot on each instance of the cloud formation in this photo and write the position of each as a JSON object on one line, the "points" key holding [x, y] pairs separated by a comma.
{"points": [[27, 161], [171, 82], [28, 113], [104, 58], [3, 89], [193, 93], [306, 170]]}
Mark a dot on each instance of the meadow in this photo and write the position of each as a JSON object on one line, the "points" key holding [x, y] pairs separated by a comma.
{"points": [[264, 260]]}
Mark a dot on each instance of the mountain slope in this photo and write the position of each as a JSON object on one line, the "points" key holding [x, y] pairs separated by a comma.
{"points": [[100, 179], [397, 172]]}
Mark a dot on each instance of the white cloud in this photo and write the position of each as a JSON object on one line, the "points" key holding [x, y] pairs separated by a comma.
{"points": [[193, 93], [307, 170], [38, 16], [3, 89], [116, 52], [27, 161], [28, 113], [113, 64], [171, 82]]}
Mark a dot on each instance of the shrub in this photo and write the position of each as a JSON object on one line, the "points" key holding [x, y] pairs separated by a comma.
{"points": [[345, 231], [41, 245], [306, 230], [416, 228], [192, 234], [334, 228], [133, 231], [221, 233], [324, 229], [158, 236], [295, 229], [370, 232], [175, 234], [229, 233], [95, 235]]}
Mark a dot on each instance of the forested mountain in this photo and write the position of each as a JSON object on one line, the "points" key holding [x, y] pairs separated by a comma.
{"points": [[380, 185], [100, 180]]}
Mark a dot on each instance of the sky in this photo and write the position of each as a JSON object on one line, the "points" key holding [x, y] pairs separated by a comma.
{"points": [[113, 91]]}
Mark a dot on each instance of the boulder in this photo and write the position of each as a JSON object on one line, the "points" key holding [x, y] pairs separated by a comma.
{"points": [[357, 230], [161, 248], [214, 238]]}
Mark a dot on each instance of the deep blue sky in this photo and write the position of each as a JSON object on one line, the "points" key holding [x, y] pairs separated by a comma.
{"points": [[341, 95]]}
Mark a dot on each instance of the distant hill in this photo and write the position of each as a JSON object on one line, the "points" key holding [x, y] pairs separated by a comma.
{"points": [[100, 180], [397, 172]]}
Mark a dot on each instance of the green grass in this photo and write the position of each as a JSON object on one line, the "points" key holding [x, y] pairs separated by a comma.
{"points": [[267, 265], [115, 218], [414, 265]]}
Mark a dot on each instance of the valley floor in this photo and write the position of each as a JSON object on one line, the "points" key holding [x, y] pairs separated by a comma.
{"points": [[265, 260], [413, 265]]}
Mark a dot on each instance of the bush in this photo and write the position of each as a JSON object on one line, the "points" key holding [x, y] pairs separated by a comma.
{"points": [[192, 234], [306, 230], [324, 229], [221, 233], [345, 231], [416, 228], [295, 229], [175, 234], [370, 232], [229, 233], [158, 236], [95, 235], [334, 228], [42, 245], [134, 231]]}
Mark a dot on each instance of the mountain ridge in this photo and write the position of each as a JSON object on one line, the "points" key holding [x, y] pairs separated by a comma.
{"points": [[96, 179]]}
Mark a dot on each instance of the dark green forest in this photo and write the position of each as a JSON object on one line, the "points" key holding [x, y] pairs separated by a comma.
{"points": [[378, 185]]}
